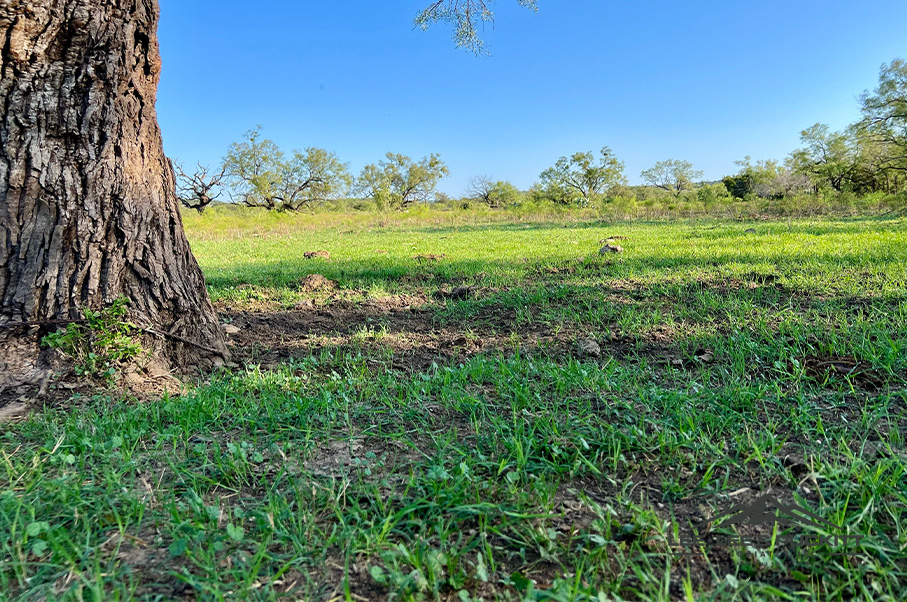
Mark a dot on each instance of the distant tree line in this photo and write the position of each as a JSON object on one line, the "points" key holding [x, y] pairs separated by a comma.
{"points": [[867, 157]]}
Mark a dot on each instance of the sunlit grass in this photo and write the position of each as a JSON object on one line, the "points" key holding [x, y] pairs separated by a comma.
{"points": [[516, 473]]}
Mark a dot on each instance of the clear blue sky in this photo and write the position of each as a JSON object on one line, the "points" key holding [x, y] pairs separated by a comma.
{"points": [[706, 81]]}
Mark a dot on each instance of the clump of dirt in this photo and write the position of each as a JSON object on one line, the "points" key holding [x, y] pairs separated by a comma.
{"points": [[150, 381], [13, 410], [457, 294], [317, 255], [316, 283], [416, 278], [395, 303], [335, 459], [430, 257], [588, 348]]}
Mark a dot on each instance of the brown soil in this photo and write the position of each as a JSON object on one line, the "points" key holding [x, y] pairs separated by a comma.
{"points": [[316, 282], [408, 326], [429, 257], [831, 367]]}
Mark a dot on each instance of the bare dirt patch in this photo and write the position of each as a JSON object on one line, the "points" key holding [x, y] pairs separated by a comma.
{"points": [[860, 373], [316, 283], [407, 325], [430, 257]]}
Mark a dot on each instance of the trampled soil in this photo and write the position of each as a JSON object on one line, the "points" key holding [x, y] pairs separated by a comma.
{"points": [[406, 324]]}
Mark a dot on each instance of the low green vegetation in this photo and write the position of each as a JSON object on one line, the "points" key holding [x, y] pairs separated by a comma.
{"points": [[467, 408], [100, 343]]}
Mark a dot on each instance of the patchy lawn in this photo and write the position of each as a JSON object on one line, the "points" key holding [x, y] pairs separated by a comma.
{"points": [[497, 412]]}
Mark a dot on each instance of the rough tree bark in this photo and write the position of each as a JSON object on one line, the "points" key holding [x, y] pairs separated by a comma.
{"points": [[88, 209]]}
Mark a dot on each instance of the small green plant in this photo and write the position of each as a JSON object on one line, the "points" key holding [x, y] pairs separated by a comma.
{"points": [[100, 344]]}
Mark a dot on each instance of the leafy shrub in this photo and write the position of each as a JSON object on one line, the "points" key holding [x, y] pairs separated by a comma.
{"points": [[712, 194], [100, 344]]}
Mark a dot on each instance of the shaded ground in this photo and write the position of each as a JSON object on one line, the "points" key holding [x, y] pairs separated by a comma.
{"points": [[407, 327]]}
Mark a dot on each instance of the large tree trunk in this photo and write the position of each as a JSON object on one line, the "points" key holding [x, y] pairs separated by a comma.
{"points": [[88, 209]]}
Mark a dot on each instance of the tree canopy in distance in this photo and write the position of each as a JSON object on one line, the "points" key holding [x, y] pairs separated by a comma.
{"points": [[396, 182], [579, 178], [263, 176], [672, 175]]}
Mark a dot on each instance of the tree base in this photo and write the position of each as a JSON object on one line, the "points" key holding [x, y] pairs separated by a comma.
{"points": [[23, 362], [29, 371]]}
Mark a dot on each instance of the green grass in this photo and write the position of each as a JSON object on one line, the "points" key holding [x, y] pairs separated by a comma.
{"points": [[518, 470]]}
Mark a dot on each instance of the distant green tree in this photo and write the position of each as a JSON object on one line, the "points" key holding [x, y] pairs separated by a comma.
{"points": [[495, 194], [711, 194], [262, 176], [672, 175], [753, 179], [442, 198], [578, 178], [885, 113], [875, 163], [549, 193], [827, 157], [397, 182]]}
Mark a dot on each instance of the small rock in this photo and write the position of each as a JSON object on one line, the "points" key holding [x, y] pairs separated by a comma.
{"points": [[230, 329], [589, 348], [605, 250]]}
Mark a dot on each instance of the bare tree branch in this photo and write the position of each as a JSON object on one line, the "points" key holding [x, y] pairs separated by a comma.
{"points": [[200, 188], [465, 16]]}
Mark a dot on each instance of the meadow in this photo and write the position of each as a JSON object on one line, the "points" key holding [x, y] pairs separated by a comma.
{"points": [[457, 408]]}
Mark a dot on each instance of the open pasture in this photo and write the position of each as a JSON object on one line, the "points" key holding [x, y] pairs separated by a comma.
{"points": [[493, 411]]}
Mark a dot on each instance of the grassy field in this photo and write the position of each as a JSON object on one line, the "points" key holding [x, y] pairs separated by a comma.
{"points": [[465, 411]]}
